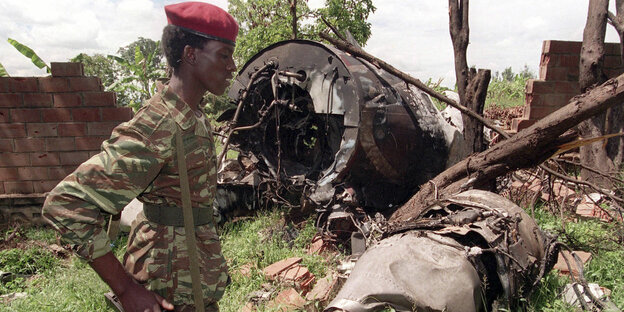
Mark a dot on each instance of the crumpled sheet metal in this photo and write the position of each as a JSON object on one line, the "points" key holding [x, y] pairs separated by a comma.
{"points": [[409, 272], [505, 251], [339, 120]]}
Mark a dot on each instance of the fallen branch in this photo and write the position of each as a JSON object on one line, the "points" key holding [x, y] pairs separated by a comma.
{"points": [[527, 148]]}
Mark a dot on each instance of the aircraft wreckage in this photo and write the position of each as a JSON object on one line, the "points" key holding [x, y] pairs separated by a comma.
{"points": [[318, 128]]}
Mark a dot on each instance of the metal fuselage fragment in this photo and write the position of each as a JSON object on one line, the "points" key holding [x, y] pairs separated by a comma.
{"points": [[340, 123]]}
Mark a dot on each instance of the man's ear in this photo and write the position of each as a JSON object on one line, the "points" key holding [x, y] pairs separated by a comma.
{"points": [[188, 55]]}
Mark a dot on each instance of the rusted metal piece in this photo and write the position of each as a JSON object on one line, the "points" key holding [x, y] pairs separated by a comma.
{"points": [[476, 251], [322, 121]]}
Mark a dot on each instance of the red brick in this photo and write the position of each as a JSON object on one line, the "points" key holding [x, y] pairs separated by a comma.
{"points": [[53, 84], [9, 174], [22, 187], [612, 61], [59, 173], [72, 129], [273, 270], [99, 98], [6, 145], [570, 87], [22, 84], [556, 73], [539, 112], [5, 85], [67, 100], [101, 128], [2, 191], [4, 115], [539, 86], [89, 143], [37, 100], [25, 115], [29, 145], [546, 61], [569, 60], [73, 158], [612, 48], [116, 113], [42, 129], [612, 73], [14, 160], [555, 46], [85, 84], [45, 159], [12, 130], [57, 115], [542, 72], [287, 300], [32, 173], [10, 100], [60, 144], [86, 114], [58, 69], [44, 186]]}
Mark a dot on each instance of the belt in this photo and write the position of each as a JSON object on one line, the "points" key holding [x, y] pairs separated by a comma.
{"points": [[168, 215]]}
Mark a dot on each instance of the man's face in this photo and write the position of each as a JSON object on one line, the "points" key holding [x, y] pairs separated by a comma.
{"points": [[215, 66]]}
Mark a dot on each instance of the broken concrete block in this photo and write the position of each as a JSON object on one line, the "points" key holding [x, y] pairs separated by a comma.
{"points": [[563, 267], [273, 270], [287, 300], [323, 289], [317, 246]]}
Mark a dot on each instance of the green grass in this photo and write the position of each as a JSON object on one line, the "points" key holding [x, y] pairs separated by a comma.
{"points": [[606, 267], [260, 242], [71, 284]]}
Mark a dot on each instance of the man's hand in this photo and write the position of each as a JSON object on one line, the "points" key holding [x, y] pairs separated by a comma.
{"points": [[133, 296], [136, 298]]}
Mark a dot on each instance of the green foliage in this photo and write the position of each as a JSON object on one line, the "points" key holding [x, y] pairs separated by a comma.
{"points": [[29, 53], [605, 269], [3, 72], [139, 73], [437, 86], [98, 65], [507, 89], [24, 262], [264, 22], [348, 15], [260, 242]]}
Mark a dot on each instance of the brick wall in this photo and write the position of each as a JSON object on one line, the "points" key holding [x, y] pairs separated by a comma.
{"points": [[558, 79], [48, 126]]}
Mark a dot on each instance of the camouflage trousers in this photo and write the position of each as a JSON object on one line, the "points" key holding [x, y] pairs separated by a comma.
{"points": [[157, 257]]}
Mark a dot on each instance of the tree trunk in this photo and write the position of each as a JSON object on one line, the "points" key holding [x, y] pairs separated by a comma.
{"points": [[527, 148], [293, 14], [469, 83], [590, 73]]}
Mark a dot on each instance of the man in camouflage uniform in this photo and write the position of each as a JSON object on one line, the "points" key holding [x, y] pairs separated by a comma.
{"points": [[140, 160]]}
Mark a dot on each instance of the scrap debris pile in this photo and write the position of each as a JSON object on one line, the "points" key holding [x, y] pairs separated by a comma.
{"points": [[320, 130]]}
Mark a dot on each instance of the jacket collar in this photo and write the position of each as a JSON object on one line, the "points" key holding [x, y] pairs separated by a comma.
{"points": [[180, 111]]}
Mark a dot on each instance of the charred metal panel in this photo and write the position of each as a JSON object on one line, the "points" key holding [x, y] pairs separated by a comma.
{"points": [[474, 251], [321, 119]]}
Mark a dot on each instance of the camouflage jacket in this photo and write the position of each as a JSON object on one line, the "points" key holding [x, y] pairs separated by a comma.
{"points": [[139, 160]]}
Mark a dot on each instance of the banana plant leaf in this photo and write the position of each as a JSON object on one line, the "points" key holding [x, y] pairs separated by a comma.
{"points": [[29, 53]]}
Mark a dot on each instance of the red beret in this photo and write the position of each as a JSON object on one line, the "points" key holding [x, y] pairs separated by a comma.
{"points": [[203, 19]]}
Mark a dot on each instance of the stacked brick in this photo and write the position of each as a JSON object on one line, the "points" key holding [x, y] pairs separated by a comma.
{"points": [[49, 125], [558, 79]]}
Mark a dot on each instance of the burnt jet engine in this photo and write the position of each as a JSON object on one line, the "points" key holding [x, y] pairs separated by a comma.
{"points": [[318, 122]]}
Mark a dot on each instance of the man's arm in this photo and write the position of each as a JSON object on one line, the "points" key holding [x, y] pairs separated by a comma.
{"points": [[133, 296]]}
